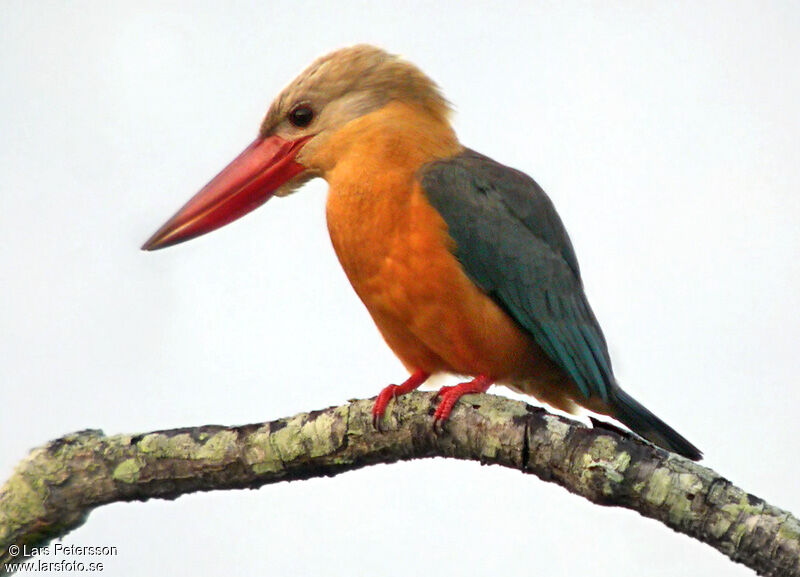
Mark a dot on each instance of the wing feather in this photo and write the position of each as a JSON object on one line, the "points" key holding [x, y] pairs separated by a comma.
{"points": [[513, 245]]}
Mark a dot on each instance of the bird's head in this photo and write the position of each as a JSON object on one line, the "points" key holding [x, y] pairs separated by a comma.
{"points": [[297, 139]]}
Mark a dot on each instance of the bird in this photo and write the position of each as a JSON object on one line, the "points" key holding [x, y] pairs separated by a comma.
{"points": [[463, 263]]}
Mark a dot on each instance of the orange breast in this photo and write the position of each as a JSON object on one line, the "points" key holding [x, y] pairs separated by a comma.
{"points": [[395, 248], [398, 255]]}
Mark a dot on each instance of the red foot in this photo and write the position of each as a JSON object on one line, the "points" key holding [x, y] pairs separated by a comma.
{"points": [[393, 391], [450, 396]]}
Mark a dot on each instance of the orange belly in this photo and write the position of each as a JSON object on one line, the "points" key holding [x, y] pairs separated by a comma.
{"points": [[398, 255]]}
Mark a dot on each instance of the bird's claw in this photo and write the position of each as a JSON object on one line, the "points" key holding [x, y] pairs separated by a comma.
{"points": [[392, 392], [450, 396], [381, 402], [438, 424], [444, 408]]}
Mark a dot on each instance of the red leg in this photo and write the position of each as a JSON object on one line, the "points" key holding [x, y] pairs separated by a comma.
{"points": [[392, 391], [450, 396]]}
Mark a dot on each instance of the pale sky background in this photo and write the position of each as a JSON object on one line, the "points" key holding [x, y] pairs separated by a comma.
{"points": [[667, 134]]}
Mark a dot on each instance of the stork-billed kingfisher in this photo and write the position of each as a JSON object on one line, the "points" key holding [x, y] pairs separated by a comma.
{"points": [[463, 263]]}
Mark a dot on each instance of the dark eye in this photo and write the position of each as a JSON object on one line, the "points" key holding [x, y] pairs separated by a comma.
{"points": [[301, 115]]}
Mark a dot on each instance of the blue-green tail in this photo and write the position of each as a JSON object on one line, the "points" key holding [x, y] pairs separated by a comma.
{"points": [[641, 421]]}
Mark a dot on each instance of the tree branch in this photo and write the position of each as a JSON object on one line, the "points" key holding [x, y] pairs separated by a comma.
{"points": [[53, 490]]}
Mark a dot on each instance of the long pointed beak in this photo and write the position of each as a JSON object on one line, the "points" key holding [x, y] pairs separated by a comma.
{"points": [[242, 186]]}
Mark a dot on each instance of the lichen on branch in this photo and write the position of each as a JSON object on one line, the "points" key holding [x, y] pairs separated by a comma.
{"points": [[53, 490]]}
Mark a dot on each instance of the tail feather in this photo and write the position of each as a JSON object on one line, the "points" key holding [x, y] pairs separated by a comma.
{"points": [[639, 419]]}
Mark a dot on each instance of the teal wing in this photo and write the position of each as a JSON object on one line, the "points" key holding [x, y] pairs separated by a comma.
{"points": [[512, 244]]}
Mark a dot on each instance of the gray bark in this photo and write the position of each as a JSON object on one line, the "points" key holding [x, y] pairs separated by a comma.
{"points": [[53, 490]]}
